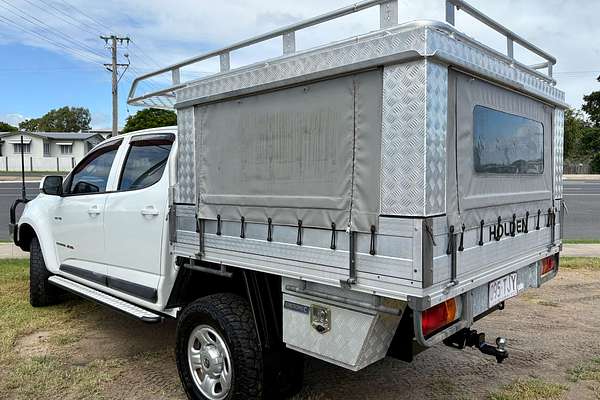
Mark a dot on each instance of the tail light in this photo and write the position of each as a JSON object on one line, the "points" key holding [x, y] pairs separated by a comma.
{"points": [[548, 265], [439, 316]]}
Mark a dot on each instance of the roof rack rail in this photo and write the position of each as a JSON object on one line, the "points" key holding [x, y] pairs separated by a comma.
{"points": [[511, 37], [388, 16]]}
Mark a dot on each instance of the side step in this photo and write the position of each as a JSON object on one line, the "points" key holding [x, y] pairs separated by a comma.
{"points": [[105, 299]]}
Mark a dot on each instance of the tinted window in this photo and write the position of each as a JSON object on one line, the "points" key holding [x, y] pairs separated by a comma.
{"points": [[145, 164], [91, 176], [506, 144]]}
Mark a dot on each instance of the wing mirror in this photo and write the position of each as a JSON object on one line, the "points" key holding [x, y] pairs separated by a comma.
{"points": [[52, 185]]}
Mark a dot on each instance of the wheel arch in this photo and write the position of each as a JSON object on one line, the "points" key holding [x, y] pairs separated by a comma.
{"points": [[261, 290], [26, 235], [32, 224]]}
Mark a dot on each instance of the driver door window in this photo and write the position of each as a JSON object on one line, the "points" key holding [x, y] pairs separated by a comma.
{"points": [[91, 176]]}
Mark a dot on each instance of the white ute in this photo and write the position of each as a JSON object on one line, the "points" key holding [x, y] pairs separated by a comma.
{"points": [[371, 197]]}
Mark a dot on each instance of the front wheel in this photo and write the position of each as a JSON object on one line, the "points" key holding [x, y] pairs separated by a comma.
{"points": [[217, 351], [41, 292]]}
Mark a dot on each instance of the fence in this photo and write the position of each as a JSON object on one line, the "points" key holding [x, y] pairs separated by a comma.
{"points": [[37, 164], [577, 168]]}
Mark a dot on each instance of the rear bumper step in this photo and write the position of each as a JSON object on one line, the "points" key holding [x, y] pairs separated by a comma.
{"points": [[105, 299]]}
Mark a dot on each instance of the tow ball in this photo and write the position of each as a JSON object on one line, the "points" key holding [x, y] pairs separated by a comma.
{"points": [[471, 338]]}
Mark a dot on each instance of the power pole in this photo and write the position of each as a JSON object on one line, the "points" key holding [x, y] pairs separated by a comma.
{"points": [[114, 41]]}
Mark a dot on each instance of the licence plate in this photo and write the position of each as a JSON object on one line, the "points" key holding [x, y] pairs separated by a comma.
{"points": [[502, 289]]}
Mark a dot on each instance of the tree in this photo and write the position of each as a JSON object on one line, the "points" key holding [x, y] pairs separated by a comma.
{"points": [[575, 130], [591, 105], [150, 118], [30, 125], [590, 141], [4, 127], [595, 164], [65, 119]]}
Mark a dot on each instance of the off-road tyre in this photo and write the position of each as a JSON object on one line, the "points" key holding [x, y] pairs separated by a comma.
{"points": [[231, 317], [41, 292]]}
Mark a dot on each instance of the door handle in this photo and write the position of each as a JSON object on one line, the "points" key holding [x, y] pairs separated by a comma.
{"points": [[149, 210], [94, 210]]}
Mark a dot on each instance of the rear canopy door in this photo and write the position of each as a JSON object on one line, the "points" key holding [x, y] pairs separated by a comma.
{"points": [[502, 152]]}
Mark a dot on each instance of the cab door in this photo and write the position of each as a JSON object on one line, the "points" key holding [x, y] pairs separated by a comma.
{"points": [[135, 218], [78, 216]]}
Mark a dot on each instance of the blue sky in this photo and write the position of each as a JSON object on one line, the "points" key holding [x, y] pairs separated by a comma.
{"points": [[36, 75], [35, 80]]}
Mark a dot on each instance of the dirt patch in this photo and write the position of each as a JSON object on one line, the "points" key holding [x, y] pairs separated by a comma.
{"points": [[149, 376], [112, 335], [36, 344]]}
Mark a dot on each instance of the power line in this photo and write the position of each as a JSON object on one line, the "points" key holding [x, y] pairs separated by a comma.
{"points": [[46, 69], [81, 25], [33, 20], [151, 84], [76, 51], [103, 26], [146, 54], [92, 19], [58, 12], [142, 55], [81, 47], [47, 28], [70, 50]]}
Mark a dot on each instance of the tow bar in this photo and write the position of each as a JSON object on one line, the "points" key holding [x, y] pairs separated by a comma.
{"points": [[471, 338]]}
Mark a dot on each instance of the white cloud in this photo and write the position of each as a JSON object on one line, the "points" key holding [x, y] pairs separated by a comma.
{"points": [[13, 118], [101, 120], [172, 31]]}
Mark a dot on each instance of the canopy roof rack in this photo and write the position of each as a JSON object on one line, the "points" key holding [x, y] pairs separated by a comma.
{"points": [[388, 17]]}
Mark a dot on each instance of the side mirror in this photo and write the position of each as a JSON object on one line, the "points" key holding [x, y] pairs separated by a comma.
{"points": [[51, 185]]}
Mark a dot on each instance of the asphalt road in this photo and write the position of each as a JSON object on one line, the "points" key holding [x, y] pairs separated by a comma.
{"points": [[582, 198], [9, 192]]}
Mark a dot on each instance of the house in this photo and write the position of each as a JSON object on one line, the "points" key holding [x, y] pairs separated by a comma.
{"points": [[45, 151], [105, 132]]}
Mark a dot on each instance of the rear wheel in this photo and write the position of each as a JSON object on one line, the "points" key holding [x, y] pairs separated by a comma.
{"points": [[217, 350], [41, 292]]}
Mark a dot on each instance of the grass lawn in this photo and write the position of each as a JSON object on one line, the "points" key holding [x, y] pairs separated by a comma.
{"points": [[26, 376], [587, 263], [530, 389], [581, 241]]}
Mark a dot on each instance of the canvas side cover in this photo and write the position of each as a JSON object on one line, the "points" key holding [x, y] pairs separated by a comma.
{"points": [[308, 153], [502, 158]]}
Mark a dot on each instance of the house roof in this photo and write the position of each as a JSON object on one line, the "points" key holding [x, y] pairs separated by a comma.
{"points": [[54, 135]]}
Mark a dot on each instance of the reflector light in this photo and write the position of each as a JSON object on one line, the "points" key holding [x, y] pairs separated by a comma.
{"points": [[438, 316], [548, 265]]}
